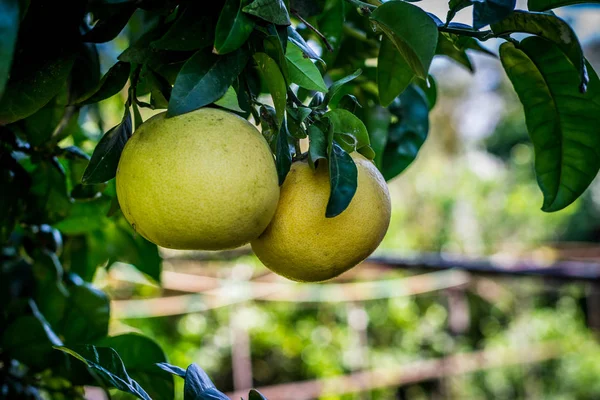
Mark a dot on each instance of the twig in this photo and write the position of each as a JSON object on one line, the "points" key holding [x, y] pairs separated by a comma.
{"points": [[292, 96], [315, 30], [481, 35]]}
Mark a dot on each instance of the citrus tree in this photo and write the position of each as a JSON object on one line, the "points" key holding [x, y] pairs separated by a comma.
{"points": [[349, 76]]}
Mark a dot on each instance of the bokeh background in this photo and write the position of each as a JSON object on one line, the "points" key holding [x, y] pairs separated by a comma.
{"points": [[386, 329]]}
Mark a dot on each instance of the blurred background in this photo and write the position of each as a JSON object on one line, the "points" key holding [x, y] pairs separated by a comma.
{"points": [[474, 292]]}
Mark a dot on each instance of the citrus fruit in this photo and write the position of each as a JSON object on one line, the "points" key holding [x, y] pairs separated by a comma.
{"points": [[302, 244], [201, 180]]}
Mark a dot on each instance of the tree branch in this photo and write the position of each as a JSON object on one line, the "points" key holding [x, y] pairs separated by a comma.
{"points": [[315, 30]]}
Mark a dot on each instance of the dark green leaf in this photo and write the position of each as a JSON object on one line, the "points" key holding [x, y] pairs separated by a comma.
{"points": [[562, 122], [336, 86], [283, 154], [544, 5], [406, 136], [140, 355], [32, 91], [377, 120], [294, 37], [50, 292], [86, 315], [349, 131], [172, 369], [273, 11], [317, 149], [274, 49], [204, 79], [114, 19], [393, 72], [269, 125], [455, 6], [198, 386], [343, 179], [14, 186], [308, 8], [49, 191], [137, 117], [428, 87], [29, 339], [108, 365], [111, 83], [255, 395], [105, 159], [85, 75], [9, 27], [233, 28], [39, 127], [411, 30], [272, 76], [302, 70], [349, 102], [490, 11], [194, 29], [331, 25], [548, 26], [229, 101]]}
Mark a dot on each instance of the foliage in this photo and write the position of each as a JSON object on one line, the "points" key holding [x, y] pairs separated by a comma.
{"points": [[59, 217]]}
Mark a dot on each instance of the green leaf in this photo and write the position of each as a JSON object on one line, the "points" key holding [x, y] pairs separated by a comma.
{"points": [[295, 38], [50, 292], [193, 29], [349, 102], [204, 79], [269, 125], [86, 315], [411, 30], [343, 179], [273, 11], [317, 149], [255, 395], [487, 12], [29, 91], [283, 154], [445, 47], [302, 70], [294, 126], [336, 86], [29, 339], [48, 191], [233, 28], [85, 216], [406, 136], [275, 82], [172, 369], [544, 5], [331, 25], [111, 83], [562, 122], [9, 27], [548, 26], [198, 386], [393, 72], [274, 49], [105, 159], [108, 365], [229, 101], [377, 120], [114, 19], [140, 355], [308, 8], [349, 131], [428, 87]]}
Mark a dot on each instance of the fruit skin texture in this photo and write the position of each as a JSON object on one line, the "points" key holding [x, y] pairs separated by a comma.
{"points": [[201, 180], [302, 245]]}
